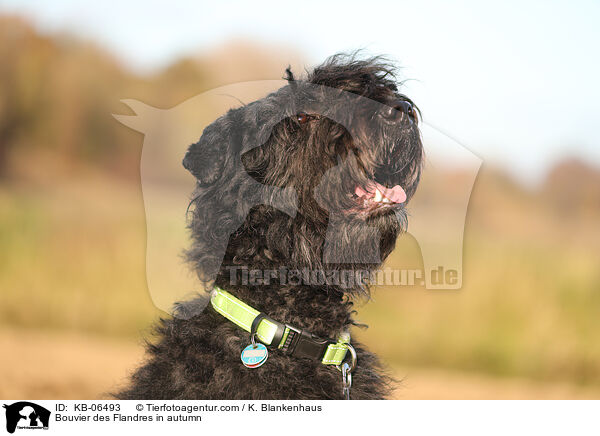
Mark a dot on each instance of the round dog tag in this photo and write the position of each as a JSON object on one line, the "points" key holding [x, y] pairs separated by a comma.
{"points": [[254, 355]]}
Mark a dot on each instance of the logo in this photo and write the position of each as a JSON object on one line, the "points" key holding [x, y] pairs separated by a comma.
{"points": [[166, 182], [26, 415]]}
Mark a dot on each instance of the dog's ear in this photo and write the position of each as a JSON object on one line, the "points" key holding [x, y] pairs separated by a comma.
{"points": [[205, 159]]}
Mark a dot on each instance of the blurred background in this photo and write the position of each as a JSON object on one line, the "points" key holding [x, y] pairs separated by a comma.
{"points": [[516, 83]]}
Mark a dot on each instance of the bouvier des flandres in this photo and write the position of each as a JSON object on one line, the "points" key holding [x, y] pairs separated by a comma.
{"points": [[342, 148]]}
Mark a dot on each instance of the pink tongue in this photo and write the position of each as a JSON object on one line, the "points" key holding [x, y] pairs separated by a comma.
{"points": [[395, 194]]}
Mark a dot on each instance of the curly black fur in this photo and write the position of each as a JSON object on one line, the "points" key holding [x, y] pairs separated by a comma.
{"points": [[306, 131]]}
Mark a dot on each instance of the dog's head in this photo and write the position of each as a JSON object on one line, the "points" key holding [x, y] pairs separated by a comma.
{"points": [[345, 140]]}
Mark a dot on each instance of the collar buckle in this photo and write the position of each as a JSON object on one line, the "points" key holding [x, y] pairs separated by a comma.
{"points": [[300, 343], [291, 339]]}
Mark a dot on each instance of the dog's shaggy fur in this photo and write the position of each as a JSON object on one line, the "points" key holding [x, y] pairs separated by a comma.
{"points": [[303, 137]]}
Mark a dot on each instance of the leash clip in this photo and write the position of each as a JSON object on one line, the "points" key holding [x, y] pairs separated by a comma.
{"points": [[347, 369], [346, 380]]}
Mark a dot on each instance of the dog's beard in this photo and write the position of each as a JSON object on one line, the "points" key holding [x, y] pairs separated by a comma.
{"points": [[353, 242], [365, 197]]}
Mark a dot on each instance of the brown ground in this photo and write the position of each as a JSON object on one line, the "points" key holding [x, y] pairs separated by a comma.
{"points": [[48, 365]]}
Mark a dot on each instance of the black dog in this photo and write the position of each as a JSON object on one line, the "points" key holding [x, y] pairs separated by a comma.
{"points": [[343, 150]]}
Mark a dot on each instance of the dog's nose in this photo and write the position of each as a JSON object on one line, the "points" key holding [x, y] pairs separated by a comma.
{"points": [[398, 109]]}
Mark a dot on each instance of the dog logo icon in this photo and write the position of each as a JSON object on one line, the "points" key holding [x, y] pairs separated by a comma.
{"points": [[26, 415]]}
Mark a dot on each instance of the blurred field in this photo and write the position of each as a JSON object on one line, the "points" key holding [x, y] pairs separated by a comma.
{"points": [[74, 304], [72, 257], [76, 366], [72, 265]]}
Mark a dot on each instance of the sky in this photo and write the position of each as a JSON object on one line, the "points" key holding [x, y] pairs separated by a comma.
{"points": [[518, 83]]}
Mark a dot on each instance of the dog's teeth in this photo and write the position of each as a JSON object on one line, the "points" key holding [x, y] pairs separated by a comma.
{"points": [[386, 200], [378, 196]]}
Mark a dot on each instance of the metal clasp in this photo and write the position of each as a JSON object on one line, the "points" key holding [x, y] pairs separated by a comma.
{"points": [[346, 380], [347, 369]]}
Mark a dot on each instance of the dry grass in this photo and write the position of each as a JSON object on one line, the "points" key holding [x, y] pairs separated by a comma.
{"points": [[72, 252], [72, 260], [72, 257], [58, 365]]}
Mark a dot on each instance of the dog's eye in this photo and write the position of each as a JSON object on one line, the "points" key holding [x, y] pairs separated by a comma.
{"points": [[302, 118]]}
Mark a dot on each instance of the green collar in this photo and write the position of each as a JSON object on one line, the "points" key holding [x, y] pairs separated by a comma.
{"points": [[289, 339]]}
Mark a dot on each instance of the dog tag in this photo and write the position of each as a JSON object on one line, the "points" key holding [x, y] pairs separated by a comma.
{"points": [[254, 355]]}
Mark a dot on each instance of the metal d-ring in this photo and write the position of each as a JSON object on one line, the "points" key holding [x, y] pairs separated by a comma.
{"points": [[347, 369], [352, 362], [346, 380], [254, 327]]}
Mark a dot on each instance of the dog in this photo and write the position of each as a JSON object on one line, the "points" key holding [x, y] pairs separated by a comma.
{"points": [[342, 146]]}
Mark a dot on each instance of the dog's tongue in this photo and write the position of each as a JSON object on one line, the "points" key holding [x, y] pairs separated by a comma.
{"points": [[395, 194]]}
